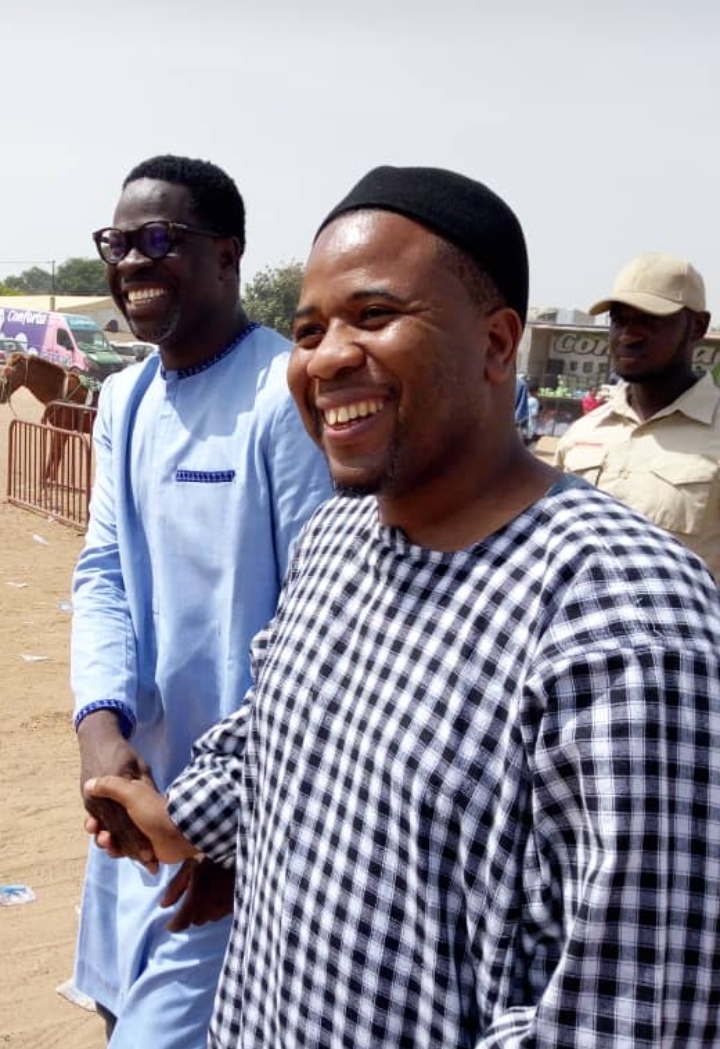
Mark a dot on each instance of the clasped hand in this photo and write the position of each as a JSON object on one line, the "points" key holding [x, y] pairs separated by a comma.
{"points": [[128, 817], [205, 888]]}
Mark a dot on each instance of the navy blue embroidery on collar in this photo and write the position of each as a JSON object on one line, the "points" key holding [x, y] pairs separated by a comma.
{"points": [[195, 369]]}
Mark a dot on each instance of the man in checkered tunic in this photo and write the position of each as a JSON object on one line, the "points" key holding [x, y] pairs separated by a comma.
{"points": [[473, 798]]}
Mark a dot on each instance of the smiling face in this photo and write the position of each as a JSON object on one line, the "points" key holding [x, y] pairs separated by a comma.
{"points": [[186, 301], [396, 369]]}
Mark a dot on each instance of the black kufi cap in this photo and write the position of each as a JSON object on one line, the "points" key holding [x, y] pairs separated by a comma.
{"points": [[457, 208]]}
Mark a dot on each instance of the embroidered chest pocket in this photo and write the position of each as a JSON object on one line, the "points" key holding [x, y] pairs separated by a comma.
{"points": [[684, 485], [205, 476], [202, 503]]}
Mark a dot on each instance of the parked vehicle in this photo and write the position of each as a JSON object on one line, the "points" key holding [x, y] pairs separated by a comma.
{"points": [[133, 351], [69, 339]]}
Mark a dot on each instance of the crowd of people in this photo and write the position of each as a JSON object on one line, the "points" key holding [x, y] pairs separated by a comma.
{"points": [[393, 734]]}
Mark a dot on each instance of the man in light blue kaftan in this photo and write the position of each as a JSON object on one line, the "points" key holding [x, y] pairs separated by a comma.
{"points": [[204, 477]]}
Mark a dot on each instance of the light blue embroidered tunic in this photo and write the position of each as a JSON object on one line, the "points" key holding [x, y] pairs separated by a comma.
{"points": [[204, 478]]}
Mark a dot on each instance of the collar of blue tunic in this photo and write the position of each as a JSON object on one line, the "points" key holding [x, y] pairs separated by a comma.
{"points": [[195, 369]]}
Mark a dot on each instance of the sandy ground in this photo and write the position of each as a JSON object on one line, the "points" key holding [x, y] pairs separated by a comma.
{"points": [[42, 843]]}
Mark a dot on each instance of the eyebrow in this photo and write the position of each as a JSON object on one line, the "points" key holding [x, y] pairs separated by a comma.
{"points": [[357, 296]]}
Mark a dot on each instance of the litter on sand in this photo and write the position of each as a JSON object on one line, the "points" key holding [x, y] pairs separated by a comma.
{"points": [[18, 586], [40, 539], [10, 895], [65, 606], [28, 657]]}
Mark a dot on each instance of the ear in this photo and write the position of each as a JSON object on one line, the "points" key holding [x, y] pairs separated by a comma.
{"points": [[701, 322], [503, 332], [229, 256]]}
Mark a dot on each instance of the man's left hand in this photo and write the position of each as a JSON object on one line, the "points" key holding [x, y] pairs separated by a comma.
{"points": [[206, 890]]}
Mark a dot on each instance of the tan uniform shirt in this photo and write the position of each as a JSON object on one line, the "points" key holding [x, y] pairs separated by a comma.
{"points": [[667, 467]]}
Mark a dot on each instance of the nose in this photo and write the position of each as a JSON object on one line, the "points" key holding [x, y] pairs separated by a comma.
{"points": [[132, 260], [625, 331], [338, 351]]}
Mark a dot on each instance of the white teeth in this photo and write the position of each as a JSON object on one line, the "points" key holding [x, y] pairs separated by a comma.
{"points": [[347, 412], [137, 295]]}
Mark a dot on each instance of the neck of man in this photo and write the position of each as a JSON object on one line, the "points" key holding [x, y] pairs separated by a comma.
{"points": [[448, 519], [206, 344], [657, 392]]}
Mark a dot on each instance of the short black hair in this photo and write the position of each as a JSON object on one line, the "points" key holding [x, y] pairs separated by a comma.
{"points": [[480, 286], [214, 197]]}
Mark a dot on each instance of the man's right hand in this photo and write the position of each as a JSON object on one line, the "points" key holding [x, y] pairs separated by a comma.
{"points": [[147, 809], [105, 752]]}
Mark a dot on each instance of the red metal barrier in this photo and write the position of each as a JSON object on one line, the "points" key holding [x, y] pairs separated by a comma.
{"points": [[66, 416], [50, 471]]}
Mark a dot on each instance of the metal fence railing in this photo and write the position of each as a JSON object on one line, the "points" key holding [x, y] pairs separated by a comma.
{"points": [[50, 471]]}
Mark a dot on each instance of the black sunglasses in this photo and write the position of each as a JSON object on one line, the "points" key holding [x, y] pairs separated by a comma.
{"points": [[154, 240]]}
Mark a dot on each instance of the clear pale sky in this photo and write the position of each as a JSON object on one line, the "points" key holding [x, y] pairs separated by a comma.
{"points": [[597, 121]]}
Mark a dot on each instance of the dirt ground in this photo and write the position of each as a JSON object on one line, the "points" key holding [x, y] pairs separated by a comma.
{"points": [[42, 843]]}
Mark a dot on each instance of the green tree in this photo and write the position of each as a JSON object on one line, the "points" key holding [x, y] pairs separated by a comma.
{"points": [[272, 295], [73, 277], [35, 281], [81, 277]]}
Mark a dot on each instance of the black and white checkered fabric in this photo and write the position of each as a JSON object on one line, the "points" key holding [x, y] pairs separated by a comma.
{"points": [[475, 797]]}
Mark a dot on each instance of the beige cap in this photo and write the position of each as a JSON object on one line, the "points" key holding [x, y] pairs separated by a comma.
{"points": [[659, 284]]}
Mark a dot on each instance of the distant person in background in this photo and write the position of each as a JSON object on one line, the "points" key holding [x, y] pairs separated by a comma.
{"points": [[533, 414], [205, 476], [655, 444], [522, 409], [591, 401]]}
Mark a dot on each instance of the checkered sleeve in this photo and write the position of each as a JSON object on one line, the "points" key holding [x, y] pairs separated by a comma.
{"points": [[621, 915], [203, 800]]}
